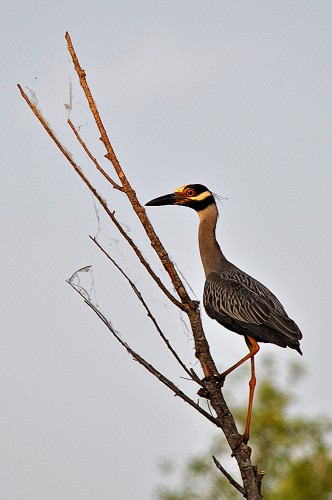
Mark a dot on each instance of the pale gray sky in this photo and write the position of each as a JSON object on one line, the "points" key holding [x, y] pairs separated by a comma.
{"points": [[234, 95]]}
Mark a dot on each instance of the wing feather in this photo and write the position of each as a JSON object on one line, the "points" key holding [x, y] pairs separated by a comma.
{"points": [[235, 295]]}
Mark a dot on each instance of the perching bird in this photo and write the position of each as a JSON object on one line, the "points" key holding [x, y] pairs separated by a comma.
{"points": [[232, 297]]}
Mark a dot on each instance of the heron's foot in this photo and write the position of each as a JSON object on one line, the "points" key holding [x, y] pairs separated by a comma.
{"points": [[195, 304], [244, 438], [203, 391], [220, 379]]}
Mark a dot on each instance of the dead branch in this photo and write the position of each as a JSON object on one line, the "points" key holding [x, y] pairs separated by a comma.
{"points": [[141, 360], [92, 158], [127, 189], [190, 306]]}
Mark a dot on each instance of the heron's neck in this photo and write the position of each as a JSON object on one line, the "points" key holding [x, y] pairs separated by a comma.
{"points": [[213, 259]]}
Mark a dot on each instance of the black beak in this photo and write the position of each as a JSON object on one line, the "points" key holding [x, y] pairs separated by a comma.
{"points": [[167, 199]]}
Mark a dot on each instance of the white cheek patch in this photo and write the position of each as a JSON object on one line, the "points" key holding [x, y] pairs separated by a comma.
{"points": [[202, 196]]}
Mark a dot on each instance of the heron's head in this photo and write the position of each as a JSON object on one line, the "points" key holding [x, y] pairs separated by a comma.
{"points": [[195, 196]]}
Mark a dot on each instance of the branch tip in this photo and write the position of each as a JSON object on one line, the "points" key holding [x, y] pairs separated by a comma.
{"points": [[228, 476]]}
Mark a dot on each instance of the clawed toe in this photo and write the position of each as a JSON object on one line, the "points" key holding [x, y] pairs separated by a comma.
{"points": [[203, 393], [244, 438], [219, 379]]}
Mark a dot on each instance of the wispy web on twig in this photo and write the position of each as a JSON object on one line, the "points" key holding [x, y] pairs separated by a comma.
{"points": [[69, 105], [83, 282]]}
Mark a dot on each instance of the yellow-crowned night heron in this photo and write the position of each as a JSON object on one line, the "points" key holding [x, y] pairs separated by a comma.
{"points": [[232, 297]]}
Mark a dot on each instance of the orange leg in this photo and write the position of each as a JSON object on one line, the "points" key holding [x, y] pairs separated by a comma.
{"points": [[252, 385], [253, 348]]}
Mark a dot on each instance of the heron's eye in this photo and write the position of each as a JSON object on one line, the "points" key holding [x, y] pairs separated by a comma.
{"points": [[190, 192]]}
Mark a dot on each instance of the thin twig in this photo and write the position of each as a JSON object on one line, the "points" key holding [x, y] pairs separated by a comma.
{"points": [[92, 158], [229, 477], [146, 307]]}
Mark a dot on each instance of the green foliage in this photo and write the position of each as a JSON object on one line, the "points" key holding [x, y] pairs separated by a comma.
{"points": [[292, 449]]}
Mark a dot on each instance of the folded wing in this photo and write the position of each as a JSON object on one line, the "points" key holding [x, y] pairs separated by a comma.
{"points": [[242, 304]]}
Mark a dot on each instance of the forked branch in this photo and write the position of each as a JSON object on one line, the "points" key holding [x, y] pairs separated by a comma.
{"points": [[156, 373]]}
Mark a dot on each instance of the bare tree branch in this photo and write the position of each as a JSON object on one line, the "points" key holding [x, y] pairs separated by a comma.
{"points": [[190, 306], [142, 361], [223, 418], [92, 158]]}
